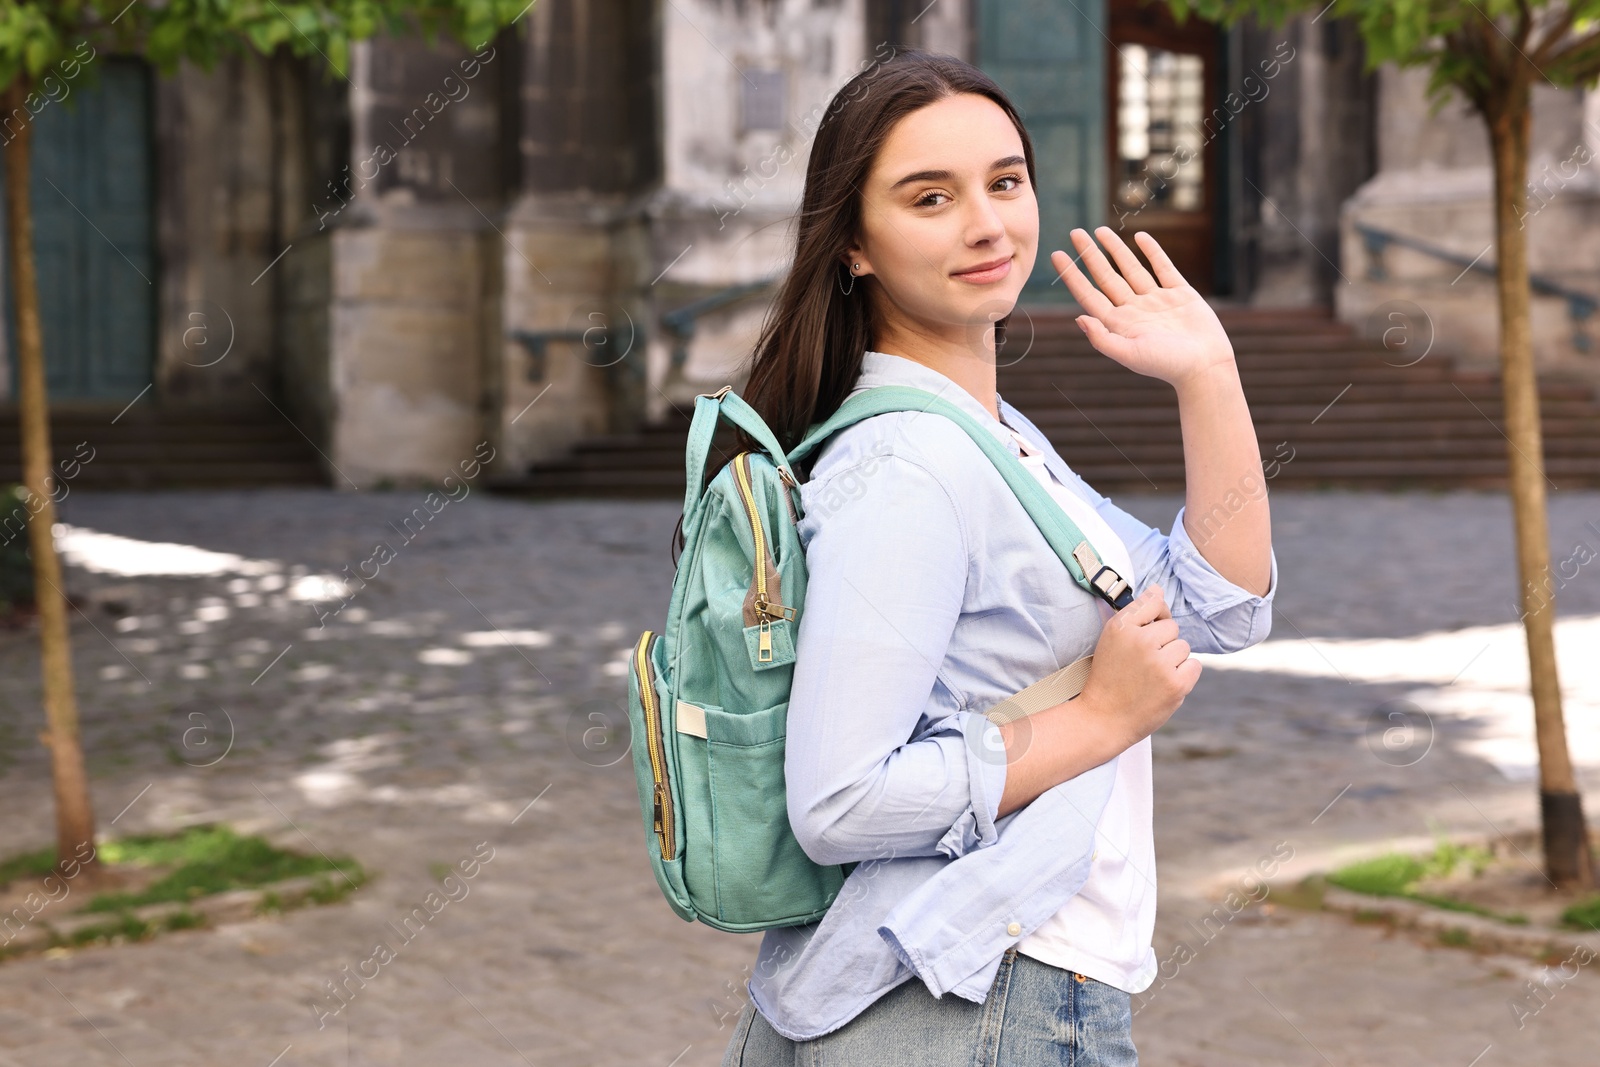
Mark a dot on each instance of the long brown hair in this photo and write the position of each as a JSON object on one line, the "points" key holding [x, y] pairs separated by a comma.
{"points": [[810, 347]]}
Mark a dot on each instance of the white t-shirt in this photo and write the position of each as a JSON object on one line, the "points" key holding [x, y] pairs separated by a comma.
{"points": [[1104, 931]]}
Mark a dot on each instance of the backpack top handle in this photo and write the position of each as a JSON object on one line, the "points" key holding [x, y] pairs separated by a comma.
{"points": [[709, 409]]}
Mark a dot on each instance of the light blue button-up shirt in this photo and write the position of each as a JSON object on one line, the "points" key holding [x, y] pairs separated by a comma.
{"points": [[931, 596]]}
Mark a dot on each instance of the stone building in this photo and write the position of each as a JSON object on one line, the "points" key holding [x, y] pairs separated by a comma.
{"points": [[571, 231]]}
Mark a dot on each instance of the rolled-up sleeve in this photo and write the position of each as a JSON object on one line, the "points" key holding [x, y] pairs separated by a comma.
{"points": [[887, 561], [1213, 614]]}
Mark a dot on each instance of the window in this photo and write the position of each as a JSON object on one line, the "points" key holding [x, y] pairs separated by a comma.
{"points": [[1160, 97]]}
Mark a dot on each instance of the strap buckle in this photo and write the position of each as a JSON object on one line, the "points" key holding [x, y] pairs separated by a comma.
{"points": [[1107, 583], [1112, 587]]}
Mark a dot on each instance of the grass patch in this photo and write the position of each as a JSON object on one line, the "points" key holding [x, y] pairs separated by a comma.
{"points": [[1584, 915], [206, 860], [1395, 874], [35, 864]]}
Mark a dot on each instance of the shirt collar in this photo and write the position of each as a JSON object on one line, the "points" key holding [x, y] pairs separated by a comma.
{"points": [[882, 368]]}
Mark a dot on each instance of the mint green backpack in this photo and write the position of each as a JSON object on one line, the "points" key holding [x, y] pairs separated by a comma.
{"points": [[708, 697]]}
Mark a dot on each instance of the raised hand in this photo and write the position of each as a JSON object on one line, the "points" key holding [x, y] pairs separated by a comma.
{"points": [[1161, 329]]}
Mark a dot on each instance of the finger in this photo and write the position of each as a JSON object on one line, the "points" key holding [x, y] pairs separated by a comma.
{"points": [[1189, 673], [1114, 345], [1138, 278], [1113, 284], [1146, 607], [1158, 259], [1162, 632], [1173, 653], [1166, 609], [1083, 291]]}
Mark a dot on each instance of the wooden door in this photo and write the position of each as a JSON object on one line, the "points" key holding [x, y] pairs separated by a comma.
{"points": [[1162, 133], [93, 233], [1049, 57]]}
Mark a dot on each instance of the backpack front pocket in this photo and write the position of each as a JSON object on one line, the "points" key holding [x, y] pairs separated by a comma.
{"points": [[760, 869]]}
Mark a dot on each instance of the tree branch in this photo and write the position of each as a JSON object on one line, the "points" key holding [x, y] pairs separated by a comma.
{"points": [[1557, 31], [1578, 61]]}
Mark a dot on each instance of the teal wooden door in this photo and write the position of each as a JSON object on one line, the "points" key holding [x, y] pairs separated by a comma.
{"points": [[1049, 57], [93, 233]]}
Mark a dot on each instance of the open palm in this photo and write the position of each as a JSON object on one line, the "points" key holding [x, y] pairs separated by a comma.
{"points": [[1162, 329]]}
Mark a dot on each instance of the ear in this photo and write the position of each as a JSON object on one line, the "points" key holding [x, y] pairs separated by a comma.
{"points": [[851, 257]]}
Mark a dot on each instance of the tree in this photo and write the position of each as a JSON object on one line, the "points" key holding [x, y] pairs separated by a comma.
{"points": [[1492, 52], [42, 40]]}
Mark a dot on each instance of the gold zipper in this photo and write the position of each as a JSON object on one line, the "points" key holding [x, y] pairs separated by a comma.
{"points": [[654, 744], [741, 472]]}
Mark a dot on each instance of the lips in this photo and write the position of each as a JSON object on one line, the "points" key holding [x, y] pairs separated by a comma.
{"points": [[993, 270]]}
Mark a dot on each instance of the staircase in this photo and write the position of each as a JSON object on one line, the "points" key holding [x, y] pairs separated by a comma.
{"points": [[1329, 408], [148, 447]]}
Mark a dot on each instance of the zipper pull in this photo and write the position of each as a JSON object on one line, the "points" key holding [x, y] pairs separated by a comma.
{"points": [[766, 640], [658, 809]]}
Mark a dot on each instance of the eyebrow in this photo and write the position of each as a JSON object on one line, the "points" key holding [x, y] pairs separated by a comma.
{"points": [[945, 175]]}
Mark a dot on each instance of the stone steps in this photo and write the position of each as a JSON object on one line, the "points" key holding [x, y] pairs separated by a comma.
{"points": [[175, 447], [1347, 411]]}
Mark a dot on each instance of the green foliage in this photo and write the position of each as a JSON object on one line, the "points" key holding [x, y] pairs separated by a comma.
{"points": [[1384, 876], [37, 34], [16, 566], [1468, 45], [1395, 875], [1584, 915], [35, 864], [206, 860]]}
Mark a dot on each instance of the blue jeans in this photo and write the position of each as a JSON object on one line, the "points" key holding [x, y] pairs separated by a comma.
{"points": [[1035, 1014]]}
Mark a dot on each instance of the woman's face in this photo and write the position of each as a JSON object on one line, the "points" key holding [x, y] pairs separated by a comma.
{"points": [[948, 192]]}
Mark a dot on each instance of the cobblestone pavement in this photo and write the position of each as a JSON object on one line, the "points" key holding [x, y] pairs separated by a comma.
{"points": [[441, 712]]}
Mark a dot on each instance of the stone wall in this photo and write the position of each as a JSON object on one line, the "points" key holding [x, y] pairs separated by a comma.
{"points": [[1435, 186], [215, 232]]}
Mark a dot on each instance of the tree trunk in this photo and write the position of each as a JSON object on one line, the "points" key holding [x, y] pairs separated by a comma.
{"points": [[74, 814], [1566, 839]]}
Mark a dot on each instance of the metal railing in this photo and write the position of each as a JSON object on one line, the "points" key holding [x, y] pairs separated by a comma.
{"points": [[1580, 305], [679, 324]]}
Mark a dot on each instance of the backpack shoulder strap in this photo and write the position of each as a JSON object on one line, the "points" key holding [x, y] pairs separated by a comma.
{"points": [[1082, 561]]}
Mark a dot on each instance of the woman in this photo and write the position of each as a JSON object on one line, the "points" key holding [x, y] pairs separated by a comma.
{"points": [[1003, 900]]}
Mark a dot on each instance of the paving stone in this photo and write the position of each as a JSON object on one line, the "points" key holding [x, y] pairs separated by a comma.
{"points": [[422, 718]]}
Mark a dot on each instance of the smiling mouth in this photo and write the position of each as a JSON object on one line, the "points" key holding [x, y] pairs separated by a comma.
{"points": [[986, 274]]}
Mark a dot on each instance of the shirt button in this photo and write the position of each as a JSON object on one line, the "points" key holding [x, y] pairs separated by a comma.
{"points": [[1014, 929]]}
